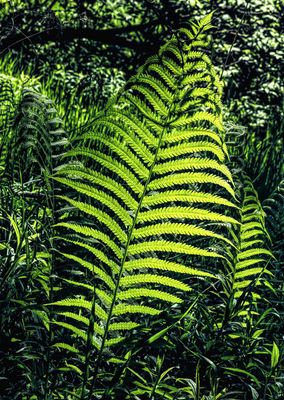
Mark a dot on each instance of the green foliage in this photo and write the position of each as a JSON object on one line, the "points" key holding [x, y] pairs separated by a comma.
{"points": [[148, 146], [139, 257], [32, 140]]}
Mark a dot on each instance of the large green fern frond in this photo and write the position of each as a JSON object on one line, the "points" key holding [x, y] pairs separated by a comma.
{"points": [[141, 186]]}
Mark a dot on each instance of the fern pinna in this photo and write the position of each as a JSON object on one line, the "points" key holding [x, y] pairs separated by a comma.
{"points": [[142, 183]]}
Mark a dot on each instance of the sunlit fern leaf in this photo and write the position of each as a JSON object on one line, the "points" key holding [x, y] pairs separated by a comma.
{"points": [[148, 190]]}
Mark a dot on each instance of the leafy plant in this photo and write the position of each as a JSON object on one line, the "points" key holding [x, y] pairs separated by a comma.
{"points": [[26, 213], [138, 258], [156, 155]]}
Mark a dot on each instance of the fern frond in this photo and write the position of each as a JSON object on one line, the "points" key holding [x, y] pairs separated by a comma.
{"points": [[195, 147], [253, 255], [179, 135], [118, 190], [183, 213], [100, 196], [102, 217], [123, 152], [71, 327], [116, 126], [80, 303], [149, 293], [39, 137], [100, 255], [93, 233], [164, 73], [201, 117], [124, 308], [65, 346], [176, 229], [132, 186], [187, 178], [91, 267], [141, 279], [184, 196], [165, 265], [193, 164], [169, 247], [160, 89], [273, 208], [108, 162]]}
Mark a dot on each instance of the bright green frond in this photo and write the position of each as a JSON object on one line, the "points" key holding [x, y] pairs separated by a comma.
{"points": [[157, 104], [184, 196], [112, 165], [101, 197], [199, 117], [252, 271], [123, 326], [155, 263], [154, 151], [248, 263], [149, 293], [92, 268], [138, 127], [73, 303], [100, 255], [102, 216], [143, 108], [104, 181], [93, 233], [61, 345], [158, 86], [176, 229], [122, 130], [124, 308], [76, 331], [141, 279], [116, 148], [252, 259], [169, 247], [190, 178], [87, 305], [192, 164], [184, 213], [180, 135], [194, 147], [253, 252]]}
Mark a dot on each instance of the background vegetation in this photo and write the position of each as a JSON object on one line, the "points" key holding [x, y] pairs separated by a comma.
{"points": [[66, 73]]}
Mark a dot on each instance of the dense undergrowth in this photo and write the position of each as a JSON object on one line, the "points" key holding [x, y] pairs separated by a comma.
{"points": [[141, 255]]}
